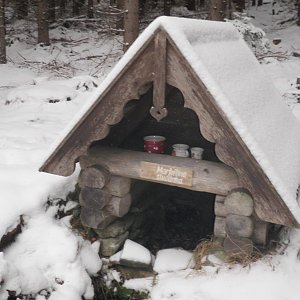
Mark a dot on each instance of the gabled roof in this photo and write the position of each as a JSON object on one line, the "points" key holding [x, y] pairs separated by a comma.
{"points": [[224, 84]]}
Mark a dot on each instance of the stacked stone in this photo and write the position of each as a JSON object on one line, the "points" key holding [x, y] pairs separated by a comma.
{"points": [[236, 223]]}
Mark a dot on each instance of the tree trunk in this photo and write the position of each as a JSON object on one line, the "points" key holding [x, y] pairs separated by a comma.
{"points": [[298, 22], [131, 22], [167, 7], [62, 7], [42, 20], [22, 9], [51, 11], [120, 21], [191, 4], [90, 12], [77, 4], [2, 33], [218, 9], [202, 3], [240, 5]]}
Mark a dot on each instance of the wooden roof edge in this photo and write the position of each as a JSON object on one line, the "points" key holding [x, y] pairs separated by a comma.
{"points": [[47, 166], [291, 220]]}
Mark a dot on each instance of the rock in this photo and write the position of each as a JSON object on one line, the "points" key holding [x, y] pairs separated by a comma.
{"points": [[169, 260], [116, 228], [276, 41], [110, 246], [135, 255], [132, 273]]}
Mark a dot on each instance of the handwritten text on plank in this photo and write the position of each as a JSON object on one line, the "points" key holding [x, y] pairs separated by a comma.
{"points": [[165, 173]]}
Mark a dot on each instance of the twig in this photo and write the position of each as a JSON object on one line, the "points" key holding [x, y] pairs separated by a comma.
{"points": [[273, 55]]}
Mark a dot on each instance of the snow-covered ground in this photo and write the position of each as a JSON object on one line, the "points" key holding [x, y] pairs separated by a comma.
{"points": [[36, 104]]}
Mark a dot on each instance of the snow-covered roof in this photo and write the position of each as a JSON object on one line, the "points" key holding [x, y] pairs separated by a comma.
{"points": [[251, 103]]}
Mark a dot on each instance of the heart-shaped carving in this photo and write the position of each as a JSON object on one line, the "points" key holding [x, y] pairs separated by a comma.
{"points": [[158, 113]]}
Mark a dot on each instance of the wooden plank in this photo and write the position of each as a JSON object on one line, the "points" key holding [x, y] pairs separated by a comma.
{"points": [[239, 226], [239, 202], [220, 210], [230, 148], [208, 176], [220, 227], [97, 219], [168, 174], [260, 233]]}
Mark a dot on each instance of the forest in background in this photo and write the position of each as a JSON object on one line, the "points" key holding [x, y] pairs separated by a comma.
{"points": [[121, 17]]}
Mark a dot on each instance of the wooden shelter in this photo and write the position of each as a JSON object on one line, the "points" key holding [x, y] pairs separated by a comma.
{"points": [[155, 69]]}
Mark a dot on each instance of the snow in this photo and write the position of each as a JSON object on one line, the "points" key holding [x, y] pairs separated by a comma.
{"points": [[213, 50], [48, 255], [135, 252], [170, 260], [47, 250]]}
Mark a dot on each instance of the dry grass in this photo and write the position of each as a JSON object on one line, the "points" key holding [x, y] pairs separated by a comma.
{"points": [[241, 257], [203, 249]]}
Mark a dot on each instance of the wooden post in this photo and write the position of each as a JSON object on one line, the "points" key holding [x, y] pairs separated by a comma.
{"points": [[158, 110], [119, 186], [131, 22], [197, 175], [93, 177], [239, 226], [239, 202], [260, 233], [97, 219], [220, 227], [119, 206], [94, 198]]}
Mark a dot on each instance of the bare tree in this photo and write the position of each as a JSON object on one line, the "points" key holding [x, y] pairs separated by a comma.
{"points": [[131, 22], [42, 21], [2, 33]]}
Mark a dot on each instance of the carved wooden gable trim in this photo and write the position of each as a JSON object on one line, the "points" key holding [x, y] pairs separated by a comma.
{"points": [[106, 111], [229, 147], [214, 125]]}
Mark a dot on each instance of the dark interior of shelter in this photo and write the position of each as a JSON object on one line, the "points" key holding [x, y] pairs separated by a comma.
{"points": [[176, 217]]}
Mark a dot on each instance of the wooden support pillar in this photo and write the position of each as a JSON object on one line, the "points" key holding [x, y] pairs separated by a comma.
{"points": [[239, 224]]}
